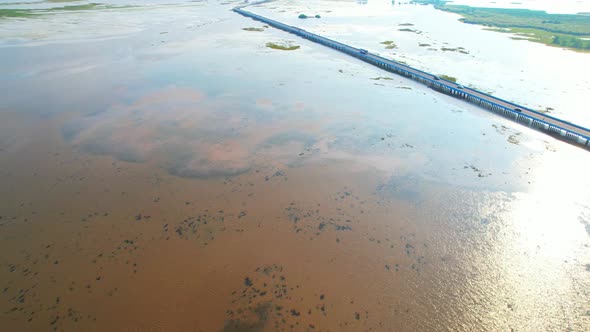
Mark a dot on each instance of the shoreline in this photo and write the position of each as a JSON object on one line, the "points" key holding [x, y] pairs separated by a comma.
{"points": [[566, 31]]}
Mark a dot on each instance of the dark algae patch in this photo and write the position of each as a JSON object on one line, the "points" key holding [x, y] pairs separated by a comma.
{"points": [[273, 302], [201, 228], [312, 220], [251, 320], [262, 301]]}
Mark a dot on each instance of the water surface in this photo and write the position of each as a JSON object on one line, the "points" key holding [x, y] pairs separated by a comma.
{"points": [[170, 172]]}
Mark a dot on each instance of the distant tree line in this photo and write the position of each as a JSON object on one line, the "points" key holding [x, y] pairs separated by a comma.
{"points": [[571, 41]]}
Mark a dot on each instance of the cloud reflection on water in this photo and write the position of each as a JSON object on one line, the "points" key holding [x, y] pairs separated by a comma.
{"points": [[173, 126]]}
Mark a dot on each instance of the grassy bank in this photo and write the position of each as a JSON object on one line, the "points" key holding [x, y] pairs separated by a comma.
{"points": [[571, 31]]}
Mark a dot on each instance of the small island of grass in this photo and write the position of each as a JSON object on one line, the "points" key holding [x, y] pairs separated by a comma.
{"points": [[389, 44], [282, 47]]}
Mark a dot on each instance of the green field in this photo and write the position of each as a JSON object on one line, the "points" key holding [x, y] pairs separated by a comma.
{"points": [[28, 13], [571, 31]]}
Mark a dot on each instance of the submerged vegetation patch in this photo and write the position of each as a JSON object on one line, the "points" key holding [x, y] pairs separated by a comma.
{"points": [[410, 30], [454, 49], [284, 46], [253, 29]]}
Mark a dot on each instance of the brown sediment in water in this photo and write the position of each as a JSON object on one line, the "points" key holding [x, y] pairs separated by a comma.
{"points": [[93, 243], [304, 238]]}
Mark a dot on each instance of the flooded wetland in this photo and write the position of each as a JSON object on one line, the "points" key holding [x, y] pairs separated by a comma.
{"points": [[163, 168]]}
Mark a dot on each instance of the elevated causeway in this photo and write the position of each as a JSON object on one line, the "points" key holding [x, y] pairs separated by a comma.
{"points": [[552, 126]]}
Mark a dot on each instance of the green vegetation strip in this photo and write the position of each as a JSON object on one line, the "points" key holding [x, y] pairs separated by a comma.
{"points": [[60, 1], [562, 30], [15, 13], [28, 13]]}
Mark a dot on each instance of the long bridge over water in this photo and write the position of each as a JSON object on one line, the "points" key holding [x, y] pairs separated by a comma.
{"points": [[552, 126]]}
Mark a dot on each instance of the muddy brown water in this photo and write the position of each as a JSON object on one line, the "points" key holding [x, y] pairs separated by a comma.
{"points": [[92, 243]]}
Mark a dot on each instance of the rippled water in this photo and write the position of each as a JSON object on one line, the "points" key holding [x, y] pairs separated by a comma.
{"points": [[163, 169]]}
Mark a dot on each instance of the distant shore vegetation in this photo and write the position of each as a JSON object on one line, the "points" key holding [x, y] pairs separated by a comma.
{"points": [[30, 13], [570, 31]]}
